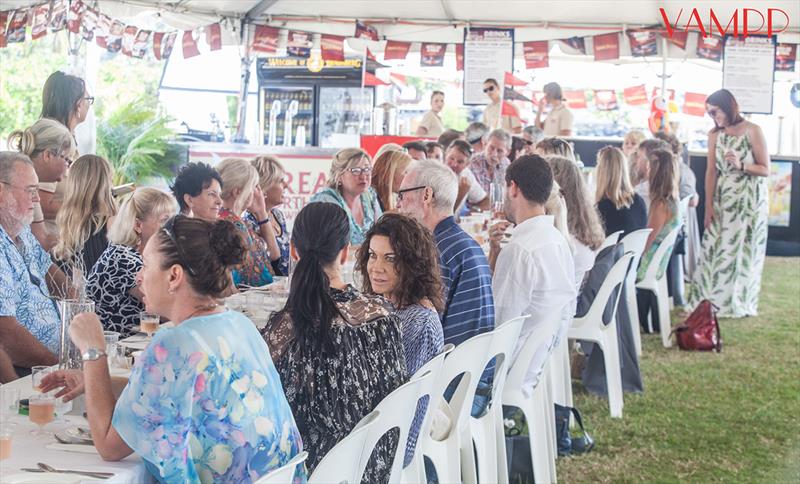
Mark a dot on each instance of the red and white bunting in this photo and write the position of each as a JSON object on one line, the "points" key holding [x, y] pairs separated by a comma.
{"points": [[214, 36], [39, 22], [189, 44], [537, 54], [15, 31], [432, 54], [169, 43], [140, 44], [265, 39], [694, 104], [74, 16], [114, 39], [158, 39], [58, 16], [332, 47], [459, 57], [3, 22], [128, 38], [606, 46], [396, 50], [635, 95]]}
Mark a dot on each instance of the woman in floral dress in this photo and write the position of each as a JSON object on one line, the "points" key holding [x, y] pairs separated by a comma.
{"points": [[736, 212]]}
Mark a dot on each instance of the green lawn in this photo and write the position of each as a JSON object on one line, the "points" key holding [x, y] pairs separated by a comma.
{"points": [[707, 417]]}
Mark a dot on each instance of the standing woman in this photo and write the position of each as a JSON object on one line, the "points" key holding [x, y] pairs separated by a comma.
{"points": [[736, 211], [85, 214], [387, 174], [620, 207], [266, 219], [349, 187]]}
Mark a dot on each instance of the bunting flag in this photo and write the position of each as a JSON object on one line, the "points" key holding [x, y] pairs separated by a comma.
{"points": [[74, 16], [396, 50], [510, 80], [128, 38], [58, 16], [39, 22], [169, 43], [606, 46], [575, 99], [140, 44], [114, 39], [265, 39], [694, 104], [605, 99], [158, 38], [508, 109], [214, 36], [332, 47], [15, 31], [536, 54], [88, 24], [364, 31], [399, 79], [679, 38], [432, 54], [643, 42], [785, 55], [102, 31], [635, 95], [369, 55], [512, 95], [459, 57], [189, 44], [371, 79], [299, 44], [574, 45], [709, 48], [3, 22]]}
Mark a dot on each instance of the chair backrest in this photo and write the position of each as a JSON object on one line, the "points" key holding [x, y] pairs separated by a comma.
{"points": [[541, 337], [684, 206], [610, 240], [285, 473], [504, 340], [663, 251], [614, 280], [434, 366], [342, 464], [396, 410], [635, 242]]}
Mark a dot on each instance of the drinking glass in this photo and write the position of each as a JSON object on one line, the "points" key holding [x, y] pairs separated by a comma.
{"points": [[9, 406], [69, 355], [149, 323], [5, 443], [41, 411], [37, 373]]}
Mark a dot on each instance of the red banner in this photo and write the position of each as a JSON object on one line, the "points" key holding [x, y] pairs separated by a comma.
{"points": [[709, 48], [574, 45], [694, 104], [265, 39], [39, 22], [364, 31], [459, 57], [679, 38], [299, 44], [58, 16], [214, 36], [536, 54], [169, 43], [188, 42], [140, 44], [643, 42], [158, 38], [15, 31], [508, 109], [635, 95], [432, 54], [129, 37], [74, 16], [606, 46], [510, 79], [332, 47], [396, 50], [605, 99], [785, 55], [3, 21], [575, 99], [102, 30]]}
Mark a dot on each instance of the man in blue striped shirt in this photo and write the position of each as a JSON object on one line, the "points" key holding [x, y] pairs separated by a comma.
{"points": [[428, 193]]}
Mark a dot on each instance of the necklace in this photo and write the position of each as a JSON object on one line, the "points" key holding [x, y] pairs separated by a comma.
{"points": [[207, 307]]}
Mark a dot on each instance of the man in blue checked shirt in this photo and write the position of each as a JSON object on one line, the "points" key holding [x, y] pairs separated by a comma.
{"points": [[428, 193]]}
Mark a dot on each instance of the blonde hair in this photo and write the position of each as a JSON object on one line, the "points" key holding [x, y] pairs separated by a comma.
{"points": [[142, 203], [555, 147], [583, 220], [664, 177], [237, 174], [613, 180], [388, 147], [557, 207], [270, 171], [87, 201], [634, 135], [383, 172], [43, 135], [342, 160]]}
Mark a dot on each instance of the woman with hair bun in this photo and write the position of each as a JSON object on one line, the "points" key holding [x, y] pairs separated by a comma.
{"points": [[204, 402], [339, 352]]}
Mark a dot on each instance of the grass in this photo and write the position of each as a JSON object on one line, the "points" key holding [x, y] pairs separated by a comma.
{"points": [[707, 417]]}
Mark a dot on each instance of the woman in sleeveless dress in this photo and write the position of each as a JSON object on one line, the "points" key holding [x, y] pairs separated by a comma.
{"points": [[736, 212]]}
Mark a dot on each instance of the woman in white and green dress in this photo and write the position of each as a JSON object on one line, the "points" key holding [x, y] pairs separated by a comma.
{"points": [[736, 212]]}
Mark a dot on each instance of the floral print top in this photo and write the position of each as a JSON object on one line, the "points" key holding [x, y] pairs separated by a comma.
{"points": [[369, 203], [280, 266], [256, 270], [204, 403], [329, 392]]}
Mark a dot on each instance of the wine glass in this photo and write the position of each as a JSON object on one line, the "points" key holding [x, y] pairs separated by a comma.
{"points": [[37, 373], [41, 411], [149, 323]]}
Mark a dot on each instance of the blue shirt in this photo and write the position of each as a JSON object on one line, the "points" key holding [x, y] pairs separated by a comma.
{"points": [[23, 288], [205, 403], [369, 203]]}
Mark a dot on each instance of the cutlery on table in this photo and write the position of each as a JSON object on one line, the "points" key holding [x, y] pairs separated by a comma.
{"points": [[46, 468]]}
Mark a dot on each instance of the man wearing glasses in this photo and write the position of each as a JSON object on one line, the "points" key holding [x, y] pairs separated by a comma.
{"points": [[29, 321], [500, 114]]}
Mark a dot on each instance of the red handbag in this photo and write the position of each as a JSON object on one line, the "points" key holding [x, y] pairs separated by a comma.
{"points": [[700, 331]]}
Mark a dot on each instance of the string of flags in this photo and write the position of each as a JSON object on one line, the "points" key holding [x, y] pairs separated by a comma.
{"points": [[116, 36]]}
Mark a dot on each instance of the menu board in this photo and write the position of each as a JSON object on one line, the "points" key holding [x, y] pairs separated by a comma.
{"points": [[488, 53], [748, 72]]}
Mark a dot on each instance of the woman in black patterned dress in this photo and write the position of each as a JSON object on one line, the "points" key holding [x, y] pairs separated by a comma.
{"points": [[338, 352]]}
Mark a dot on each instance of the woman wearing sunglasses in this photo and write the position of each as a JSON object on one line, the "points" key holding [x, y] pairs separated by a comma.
{"points": [[349, 187], [204, 402]]}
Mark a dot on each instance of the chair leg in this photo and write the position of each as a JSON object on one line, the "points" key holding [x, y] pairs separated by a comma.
{"points": [[613, 374], [469, 468], [550, 422], [536, 417], [633, 313], [500, 441], [664, 322]]}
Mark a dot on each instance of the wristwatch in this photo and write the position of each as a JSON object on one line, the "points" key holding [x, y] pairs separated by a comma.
{"points": [[93, 354]]}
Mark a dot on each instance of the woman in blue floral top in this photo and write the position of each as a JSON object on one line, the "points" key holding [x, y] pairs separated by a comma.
{"points": [[349, 187], [204, 402], [263, 216]]}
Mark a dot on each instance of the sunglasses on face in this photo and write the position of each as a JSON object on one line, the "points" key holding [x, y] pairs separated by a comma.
{"points": [[169, 228], [488, 89], [89, 99]]}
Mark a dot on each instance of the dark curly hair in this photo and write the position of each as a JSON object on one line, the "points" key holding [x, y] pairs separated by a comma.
{"points": [[416, 260], [192, 179]]}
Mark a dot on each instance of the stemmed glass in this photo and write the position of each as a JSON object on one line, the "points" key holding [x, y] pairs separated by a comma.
{"points": [[149, 323], [41, 411]]}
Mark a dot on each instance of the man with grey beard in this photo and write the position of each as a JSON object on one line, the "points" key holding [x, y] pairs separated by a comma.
{"points": [[29, 320]]}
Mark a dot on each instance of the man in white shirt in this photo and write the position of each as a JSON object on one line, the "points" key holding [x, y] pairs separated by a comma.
{"points": [[470, 191], [534, 273], [431, 125]]}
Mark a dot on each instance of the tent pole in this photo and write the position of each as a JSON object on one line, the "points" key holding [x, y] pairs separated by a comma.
{"points": [[244, 87], [664, 68]]}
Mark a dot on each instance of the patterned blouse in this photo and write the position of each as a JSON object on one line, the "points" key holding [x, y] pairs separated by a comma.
{"points": [[369, 203], [647, 258], [330, 393], [109, 285], [279, 266], [204, 404], [256, 268]]}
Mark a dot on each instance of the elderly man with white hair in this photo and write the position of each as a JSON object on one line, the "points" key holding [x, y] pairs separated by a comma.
{"points": [[428, 194], [489, 166], [29, 320]]}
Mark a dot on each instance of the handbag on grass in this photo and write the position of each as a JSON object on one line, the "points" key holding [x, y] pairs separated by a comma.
{"points": [[700, 331]]}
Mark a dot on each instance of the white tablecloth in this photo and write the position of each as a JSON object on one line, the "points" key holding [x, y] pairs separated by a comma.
{"points": [[27, 450]]}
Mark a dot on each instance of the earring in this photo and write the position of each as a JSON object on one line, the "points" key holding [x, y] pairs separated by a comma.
{"points": [[171, 290]]}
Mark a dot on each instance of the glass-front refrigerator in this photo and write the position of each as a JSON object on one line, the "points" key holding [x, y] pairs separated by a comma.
{"points": [[287, 103], [344, 114]]}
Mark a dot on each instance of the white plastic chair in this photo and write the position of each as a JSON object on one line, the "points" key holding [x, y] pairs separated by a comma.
{"points": [[611, 239], [285, 473], [634, 242], [468, 358], [538, 407], [680, 283], [342, 464], [658, 286], [590, 327], [490, 446]]}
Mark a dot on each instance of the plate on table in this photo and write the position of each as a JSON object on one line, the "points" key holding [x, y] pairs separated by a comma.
{"points": [[79, 433]]}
